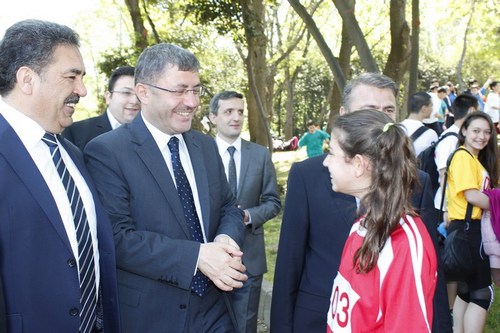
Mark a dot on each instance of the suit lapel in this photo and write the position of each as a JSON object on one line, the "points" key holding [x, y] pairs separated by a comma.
{"points": [[21, 162], [103, 122], [148, 151], [246, 157], [196, 155]]}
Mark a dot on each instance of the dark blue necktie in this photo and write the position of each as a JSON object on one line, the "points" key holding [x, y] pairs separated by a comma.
{"points": [[86, 263], [231, 171], [200, 281]]}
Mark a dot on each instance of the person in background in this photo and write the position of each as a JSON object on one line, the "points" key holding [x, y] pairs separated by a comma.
{"points": [[176, 225], [123, 106], [313, 139], [372, 159], [57, 257], [252, 177], [419, 108], [474, 91], [461, 107], [316, 223], [434, 120], [492, 106], [473, 169]]}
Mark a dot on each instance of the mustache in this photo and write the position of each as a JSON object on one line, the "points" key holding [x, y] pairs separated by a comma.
{"points": [[73, 99]]}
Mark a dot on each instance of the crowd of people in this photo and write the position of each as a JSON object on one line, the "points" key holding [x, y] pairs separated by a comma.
{"points": [[131, 221]]}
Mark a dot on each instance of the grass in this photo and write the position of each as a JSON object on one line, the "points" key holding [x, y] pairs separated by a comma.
{"points": [[282, 162]]}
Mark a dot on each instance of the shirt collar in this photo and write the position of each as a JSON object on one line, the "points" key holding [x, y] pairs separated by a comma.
{"points": [[223, 145], [161, 138], [28, 130], [112, 120]]}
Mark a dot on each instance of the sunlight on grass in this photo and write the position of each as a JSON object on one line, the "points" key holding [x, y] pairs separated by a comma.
{"points": [[282, 162]]}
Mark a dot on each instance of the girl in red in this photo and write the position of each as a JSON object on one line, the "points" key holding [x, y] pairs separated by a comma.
{"points": [[387, 275]]}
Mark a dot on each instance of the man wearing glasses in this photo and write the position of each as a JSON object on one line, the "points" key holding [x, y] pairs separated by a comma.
{"points": [[123, 106], [176, 225]]}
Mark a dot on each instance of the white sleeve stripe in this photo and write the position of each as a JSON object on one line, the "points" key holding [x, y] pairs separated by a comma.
{"points": [[416, 250]]}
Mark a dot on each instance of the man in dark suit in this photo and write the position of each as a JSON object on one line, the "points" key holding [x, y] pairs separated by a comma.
{"points": [[176, 225], [57, 258], [252, 178], [317, 221], [123, 106]]}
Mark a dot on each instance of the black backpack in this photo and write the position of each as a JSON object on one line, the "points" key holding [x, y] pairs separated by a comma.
{"points": [[427, 164], [419, 132]]}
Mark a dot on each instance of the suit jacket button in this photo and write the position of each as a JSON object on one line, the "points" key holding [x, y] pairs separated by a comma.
{"points": [[71, 262], [182, 306], [73, 312]]}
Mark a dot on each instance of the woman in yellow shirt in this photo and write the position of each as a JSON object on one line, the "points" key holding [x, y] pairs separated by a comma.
{"points": [[473, 169]]}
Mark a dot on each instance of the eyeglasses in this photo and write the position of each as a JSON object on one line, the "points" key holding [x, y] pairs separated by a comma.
{"points": [[198, 91], [127, 94]]}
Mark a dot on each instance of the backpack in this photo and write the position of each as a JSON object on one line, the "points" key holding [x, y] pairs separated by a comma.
{"points": [[419, 132], [426, 161]]}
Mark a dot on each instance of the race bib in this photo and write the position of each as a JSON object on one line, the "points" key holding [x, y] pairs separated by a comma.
{"points": [[342, 302]]}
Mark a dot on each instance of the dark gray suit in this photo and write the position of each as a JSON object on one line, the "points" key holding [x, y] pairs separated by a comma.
{"points": [[155, 257], [81, 132], [258, 194]]}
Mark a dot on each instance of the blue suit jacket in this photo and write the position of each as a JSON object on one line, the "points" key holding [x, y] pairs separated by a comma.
{"points": [[155, 257], [316, 224], [81, 132], [37, 266]]}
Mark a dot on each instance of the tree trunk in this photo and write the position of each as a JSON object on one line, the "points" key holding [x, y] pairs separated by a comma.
{"points": [[140, 32], [414, 46], [320, 40], [290, 81], [347, 13], [460, 79], [258, 117], [335, 96], [397, 62]]}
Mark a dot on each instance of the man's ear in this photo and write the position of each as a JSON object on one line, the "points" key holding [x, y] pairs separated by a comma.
{"points": [[212, 117], [142, 93], [26, 79], [342, 111]]}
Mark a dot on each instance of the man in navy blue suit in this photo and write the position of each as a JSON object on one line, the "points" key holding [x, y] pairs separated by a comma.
{"points": [[317, 221], [137, 171], [47, 285]]}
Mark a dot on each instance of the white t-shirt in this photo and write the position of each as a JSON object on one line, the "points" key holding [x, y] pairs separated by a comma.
{"points": [[436, 105], [443, 150], [492, 100], [424, 140]]}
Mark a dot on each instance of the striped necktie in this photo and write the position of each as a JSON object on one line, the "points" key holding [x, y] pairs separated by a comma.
{"points": [[86, 271], [200, 281]]}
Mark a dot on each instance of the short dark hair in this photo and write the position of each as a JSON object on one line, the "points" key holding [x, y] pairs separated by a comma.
{"points": [[153, 61], [418, 100], [31, 43], [461, 105], [376, 80], [118, 73], [224, 95]]}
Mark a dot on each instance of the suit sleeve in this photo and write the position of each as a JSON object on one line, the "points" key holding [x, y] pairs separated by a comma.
{"points": [[270, 203], [291, 253], [442, 320], [145, 245]]}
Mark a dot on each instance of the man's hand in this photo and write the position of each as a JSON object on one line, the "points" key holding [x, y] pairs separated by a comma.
{"points": [[221, 263]]}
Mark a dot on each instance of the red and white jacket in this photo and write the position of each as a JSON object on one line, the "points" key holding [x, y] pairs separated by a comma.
{"points": [[396, 295]]}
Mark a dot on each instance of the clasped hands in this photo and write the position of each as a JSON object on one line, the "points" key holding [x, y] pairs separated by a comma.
{"points": [[221, 262]]}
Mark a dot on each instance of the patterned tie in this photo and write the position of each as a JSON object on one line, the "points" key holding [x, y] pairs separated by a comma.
{"points": [[231, 172], [86, 264], [200, 281]]}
